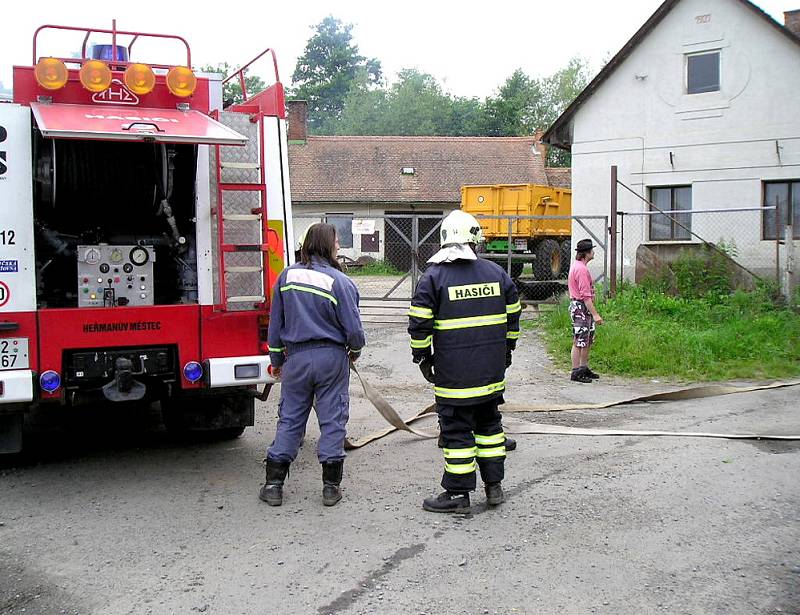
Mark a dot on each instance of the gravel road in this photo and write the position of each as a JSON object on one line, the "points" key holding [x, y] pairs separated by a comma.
{"points": [[105, 514]]}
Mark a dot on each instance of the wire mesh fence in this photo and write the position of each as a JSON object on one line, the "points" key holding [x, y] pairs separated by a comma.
{"points": [[738, 233], [385, 254], [755, 243]]}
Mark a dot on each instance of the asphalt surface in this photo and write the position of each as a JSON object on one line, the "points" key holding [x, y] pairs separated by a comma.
{"points": [[106, 514]]}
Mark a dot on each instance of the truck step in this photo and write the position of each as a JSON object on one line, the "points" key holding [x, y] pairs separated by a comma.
{"points": [[244, 269], [241, 217], [239, 165], [247, 299]]}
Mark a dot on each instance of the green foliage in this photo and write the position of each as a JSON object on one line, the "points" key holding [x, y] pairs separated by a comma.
{"points": [[646, 333], [377, 267], [512, 112], [524, 105], [328, 69], [346, 96], [232, 91], [414, 105], [703, 274]]}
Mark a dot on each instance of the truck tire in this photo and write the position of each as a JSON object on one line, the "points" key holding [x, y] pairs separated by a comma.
{"points": [[566, 257], [221, 416], [516, 270], [547, 265]]}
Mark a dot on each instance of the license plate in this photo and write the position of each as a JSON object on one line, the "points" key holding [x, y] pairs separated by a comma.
{"points": [[521, 244], [13, 353]]}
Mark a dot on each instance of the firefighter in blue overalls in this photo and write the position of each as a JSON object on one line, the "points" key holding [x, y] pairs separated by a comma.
{"points": [[464, 323], [314, 332]]}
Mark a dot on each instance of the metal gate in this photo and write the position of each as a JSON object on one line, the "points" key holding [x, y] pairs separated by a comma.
{"points": [[400, 244]]}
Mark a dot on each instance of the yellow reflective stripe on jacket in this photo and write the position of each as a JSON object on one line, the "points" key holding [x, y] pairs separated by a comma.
{"points": [[472, 321], [422, 343], [460, 468], [513, 308], [418, 311], [493, 440], [459, 453], [313, 291], [271, 349], [470, 392], [512, 335], [497, 451]]}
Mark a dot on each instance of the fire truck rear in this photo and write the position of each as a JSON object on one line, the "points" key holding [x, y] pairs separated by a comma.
{"points": [[141, 230]]}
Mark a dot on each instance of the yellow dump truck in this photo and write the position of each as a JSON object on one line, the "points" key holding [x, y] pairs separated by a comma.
{"points": [[545, 243]]}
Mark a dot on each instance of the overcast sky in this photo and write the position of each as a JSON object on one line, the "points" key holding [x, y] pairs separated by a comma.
{"points": [[470, 47]]}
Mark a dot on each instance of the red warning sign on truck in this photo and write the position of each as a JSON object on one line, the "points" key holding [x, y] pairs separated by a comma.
{"points": [[5, 293]]}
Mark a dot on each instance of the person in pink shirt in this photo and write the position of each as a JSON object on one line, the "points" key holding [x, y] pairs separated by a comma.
{"points": [[582, 311]]}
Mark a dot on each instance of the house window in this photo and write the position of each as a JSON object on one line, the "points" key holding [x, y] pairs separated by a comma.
{"points": [[702, 73], [780, 195], [344, 228], [666, 227]]}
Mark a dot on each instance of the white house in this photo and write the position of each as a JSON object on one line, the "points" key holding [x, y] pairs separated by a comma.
{"points": [[699, 111]]}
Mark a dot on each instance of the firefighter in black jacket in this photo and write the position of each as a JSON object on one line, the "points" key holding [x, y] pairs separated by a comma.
{"points": [[464, 323]]}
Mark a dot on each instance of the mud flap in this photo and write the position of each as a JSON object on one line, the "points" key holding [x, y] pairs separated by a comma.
{"points": [[10, 433], [209, 411]]}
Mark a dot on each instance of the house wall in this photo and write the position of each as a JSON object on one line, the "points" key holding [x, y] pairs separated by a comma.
{"points": [[724, 144]]}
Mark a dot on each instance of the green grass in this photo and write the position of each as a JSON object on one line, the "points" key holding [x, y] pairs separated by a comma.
{"points": [[651, 334], [375, 268]]}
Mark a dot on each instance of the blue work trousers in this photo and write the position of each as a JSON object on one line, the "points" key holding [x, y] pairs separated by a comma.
{"points": [[318, 374]]}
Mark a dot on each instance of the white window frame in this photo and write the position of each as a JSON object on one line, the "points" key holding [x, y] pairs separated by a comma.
{"points": [[704, 52]]}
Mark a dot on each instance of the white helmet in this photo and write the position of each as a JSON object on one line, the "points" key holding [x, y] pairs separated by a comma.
{"points": [[460, 227]]}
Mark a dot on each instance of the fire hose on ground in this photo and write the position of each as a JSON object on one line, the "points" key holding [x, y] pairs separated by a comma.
{"points": [[521, 427]]}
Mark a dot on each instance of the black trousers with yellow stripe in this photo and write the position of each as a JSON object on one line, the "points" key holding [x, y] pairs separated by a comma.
{"points": [[473, 439]]}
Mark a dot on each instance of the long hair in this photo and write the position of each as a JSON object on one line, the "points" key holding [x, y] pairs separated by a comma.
{"points": [[320, 242]]}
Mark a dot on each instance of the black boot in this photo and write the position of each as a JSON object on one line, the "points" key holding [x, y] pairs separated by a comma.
{"points": [[591, 374], [447, 502], [579, 375], [331, 479], [511, 444], [272, 491], [494, 494]]}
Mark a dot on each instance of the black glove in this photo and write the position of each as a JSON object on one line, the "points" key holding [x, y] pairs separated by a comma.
{"points": [[508, 357], [426, 367]]}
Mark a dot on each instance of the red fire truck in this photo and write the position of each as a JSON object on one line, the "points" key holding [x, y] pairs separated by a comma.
{"points": [[141, 230]]}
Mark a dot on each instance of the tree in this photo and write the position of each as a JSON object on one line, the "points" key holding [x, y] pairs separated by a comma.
{"points": [[327, 70], [414, 105], [509, 114], [524, 105], [560, 89], [232, 91]]}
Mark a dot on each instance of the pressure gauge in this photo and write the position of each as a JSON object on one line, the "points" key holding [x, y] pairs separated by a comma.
{"points": [[92, 256], [116, 256], [139, 256]]}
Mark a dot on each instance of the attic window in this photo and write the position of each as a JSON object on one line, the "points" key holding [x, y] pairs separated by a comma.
{"points": [[407, 171], [702, 73]]}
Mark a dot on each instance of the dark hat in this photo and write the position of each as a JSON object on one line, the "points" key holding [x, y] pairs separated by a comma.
{"points": [[584, 245]]}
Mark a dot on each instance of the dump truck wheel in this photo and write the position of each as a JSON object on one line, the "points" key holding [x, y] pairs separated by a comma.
{"points": [[516, 270], [566, 257], [547, 265], [531, 291]]}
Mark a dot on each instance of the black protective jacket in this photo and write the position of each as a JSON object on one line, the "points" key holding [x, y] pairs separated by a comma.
{"points": [[466, 315]]}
